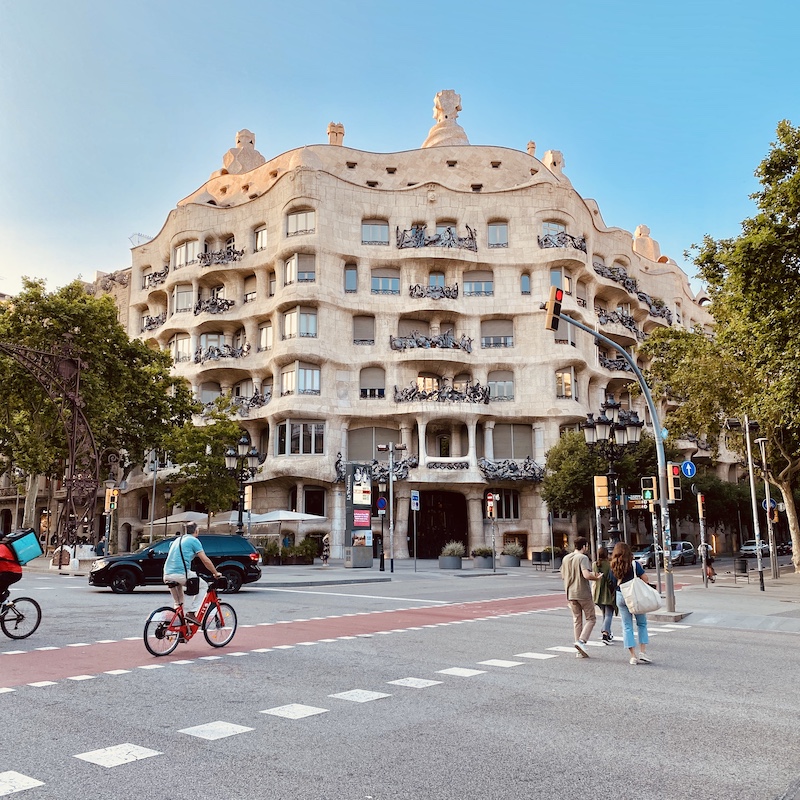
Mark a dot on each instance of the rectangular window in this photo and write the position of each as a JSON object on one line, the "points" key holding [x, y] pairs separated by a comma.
{"points": [[184, 298], [288, 381], [350, 280], [565, 385], [497, 341], [308, 324], [300, 222], [306, 268], [436, 279], [261, 239], [290, 271], [308, 380], [478, 288], [385, 285], [265, 337], [290, 325], [501, 390], [300, 438], [185, 253], [375, 232], [250, 289], [180, 348], [553, 228], [271, 282], [525, 284], [249, 297], [498, 234]]}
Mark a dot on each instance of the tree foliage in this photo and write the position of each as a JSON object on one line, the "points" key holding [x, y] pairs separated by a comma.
{"points": [[751, 365], [200, 452], [130, 398]]}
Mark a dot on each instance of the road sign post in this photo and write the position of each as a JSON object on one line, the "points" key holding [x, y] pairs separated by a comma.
{"points": [[415, 509]]}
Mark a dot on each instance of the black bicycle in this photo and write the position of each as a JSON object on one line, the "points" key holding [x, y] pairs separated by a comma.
{"points": [[20, 617]]}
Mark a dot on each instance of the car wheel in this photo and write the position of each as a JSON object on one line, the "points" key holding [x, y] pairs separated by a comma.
{"points": [[123, 581], [234, 579], [681, 561]]}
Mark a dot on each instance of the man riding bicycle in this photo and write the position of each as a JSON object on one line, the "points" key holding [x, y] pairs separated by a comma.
{"points": [[177, 571], [10, 570]]}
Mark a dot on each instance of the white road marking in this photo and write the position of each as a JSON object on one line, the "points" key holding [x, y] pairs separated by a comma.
{"points": [[11, 782], [415, 683], [359, 695], [294, 711], [215, 730], [360, 596], [461, 672], [499, 662], [540, 656], [117, 754]]}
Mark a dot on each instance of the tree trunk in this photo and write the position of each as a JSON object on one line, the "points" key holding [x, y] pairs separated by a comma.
{"points": [[791, 517], [31, 491]]}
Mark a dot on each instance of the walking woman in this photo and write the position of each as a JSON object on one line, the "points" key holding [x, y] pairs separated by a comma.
{"points": [[623, 569], [605, 593]]}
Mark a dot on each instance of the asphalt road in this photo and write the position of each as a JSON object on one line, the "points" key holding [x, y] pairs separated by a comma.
{"points": [[713, 717]]}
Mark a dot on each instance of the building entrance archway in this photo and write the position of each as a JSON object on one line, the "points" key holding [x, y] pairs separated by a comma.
{"points": [[442, 518]]}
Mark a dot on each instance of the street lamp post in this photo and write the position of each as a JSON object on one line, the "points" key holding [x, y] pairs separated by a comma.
{"points": [[167, 498], [391, 447], [242, 463], [734, 424], [773, 555], [610, 434], [110, 485], [382, 491]]}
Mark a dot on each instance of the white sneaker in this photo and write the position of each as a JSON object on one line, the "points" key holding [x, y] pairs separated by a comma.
{"points": [[581, 648], [634, 661], [645, 659]]}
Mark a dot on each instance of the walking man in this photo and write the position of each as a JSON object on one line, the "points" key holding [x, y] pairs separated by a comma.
{"points": [[576, 572]]}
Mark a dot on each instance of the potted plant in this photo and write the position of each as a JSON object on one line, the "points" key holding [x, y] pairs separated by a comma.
{"points": [[511, 555], [553, 554], [451, 556], [303, 553], [482, 558], [271, 553]]}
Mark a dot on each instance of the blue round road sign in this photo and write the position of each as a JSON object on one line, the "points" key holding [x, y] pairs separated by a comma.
{"points": [[772, 504], [688, 469], [381, 503]]}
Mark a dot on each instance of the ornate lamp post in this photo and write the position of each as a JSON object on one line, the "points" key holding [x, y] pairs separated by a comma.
{"points": [[609, 435], [242, 463], [391, 447]]}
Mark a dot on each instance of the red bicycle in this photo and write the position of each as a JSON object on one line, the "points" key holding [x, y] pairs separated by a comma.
{"points": [[167, 627]]}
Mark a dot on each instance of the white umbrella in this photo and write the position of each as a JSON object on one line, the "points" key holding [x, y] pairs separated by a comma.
{"points": [[184, 516], [287, 516]]}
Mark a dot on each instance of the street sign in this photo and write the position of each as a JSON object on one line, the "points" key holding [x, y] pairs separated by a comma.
{"points": [[772, 504], [381, 506], [688, 469], [414, 500]]}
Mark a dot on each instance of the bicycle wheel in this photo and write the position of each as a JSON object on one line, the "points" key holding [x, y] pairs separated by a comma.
{"points": [[21, 617], [159, 638], [219, 626]]}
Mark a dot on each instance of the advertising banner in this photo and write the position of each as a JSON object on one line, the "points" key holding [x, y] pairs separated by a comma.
{"points": [[358, 502]]}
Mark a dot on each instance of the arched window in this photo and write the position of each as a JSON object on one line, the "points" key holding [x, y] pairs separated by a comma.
{"points": [[372, 382]]}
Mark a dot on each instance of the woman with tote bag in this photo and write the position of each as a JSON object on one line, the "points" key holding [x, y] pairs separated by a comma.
{"points": [[623, 569]]}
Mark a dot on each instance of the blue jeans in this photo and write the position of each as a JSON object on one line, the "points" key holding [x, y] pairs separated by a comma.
{"points": [[608, 616], [628, 639]]}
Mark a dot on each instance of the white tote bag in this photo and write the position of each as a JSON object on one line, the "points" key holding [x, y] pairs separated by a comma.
{"points": [[639, 596]]}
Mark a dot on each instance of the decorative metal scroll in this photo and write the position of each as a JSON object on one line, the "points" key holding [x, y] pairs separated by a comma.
{"points": [[213, 305], [702, 444], [509, 469], [58, 371], [380, 469], [416, 236], [224, 256], [625, 320], [445, 341], [562, 239], [434, 292], [474, 393], [452, 465], [258, 400], [619, 364], [619, 275], [216, 353], [155, 278], [151, 323]]}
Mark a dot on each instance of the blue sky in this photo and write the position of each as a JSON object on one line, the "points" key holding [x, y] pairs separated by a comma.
{"points": [[112, 111]]}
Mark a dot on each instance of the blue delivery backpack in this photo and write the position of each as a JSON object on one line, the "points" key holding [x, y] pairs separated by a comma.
{"points": [[25, 545]]}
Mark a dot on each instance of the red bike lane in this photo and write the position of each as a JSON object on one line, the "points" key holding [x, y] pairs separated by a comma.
{"points": [[36, 666]]}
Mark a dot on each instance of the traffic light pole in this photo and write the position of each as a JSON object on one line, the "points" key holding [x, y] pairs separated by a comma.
{"points": [[660, 454]]}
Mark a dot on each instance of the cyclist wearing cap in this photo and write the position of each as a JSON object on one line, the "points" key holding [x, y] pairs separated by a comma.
{"points": [[177, 570]]}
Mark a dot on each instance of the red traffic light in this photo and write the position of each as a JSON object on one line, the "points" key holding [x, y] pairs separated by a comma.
{"points": [[675, 470]]}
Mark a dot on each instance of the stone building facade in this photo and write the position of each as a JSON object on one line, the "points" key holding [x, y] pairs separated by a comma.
{"points": [[347, 299]]}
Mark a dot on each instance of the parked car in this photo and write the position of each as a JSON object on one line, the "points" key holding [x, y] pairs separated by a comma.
{"points": [[784, 548], [749, 549], [683, 553], [646, 555], [233, 556]]}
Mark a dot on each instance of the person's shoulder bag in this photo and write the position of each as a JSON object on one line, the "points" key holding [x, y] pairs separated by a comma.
{"points": [[640, 596], [192, 584]]}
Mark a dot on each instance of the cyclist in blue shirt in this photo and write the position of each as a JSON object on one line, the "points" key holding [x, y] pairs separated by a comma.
{"points": [[177, 570]]}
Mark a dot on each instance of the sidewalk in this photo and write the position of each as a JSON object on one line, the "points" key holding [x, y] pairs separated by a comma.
{"points": [[723, 604]]}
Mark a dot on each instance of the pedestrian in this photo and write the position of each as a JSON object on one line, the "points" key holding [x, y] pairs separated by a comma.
{"points": [[605, 593], [177, 570], [623, 569], [576, 573], [100, 547], [326, 549]]}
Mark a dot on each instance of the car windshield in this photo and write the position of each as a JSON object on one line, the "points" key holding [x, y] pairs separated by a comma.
{"points": [[158, 547]]}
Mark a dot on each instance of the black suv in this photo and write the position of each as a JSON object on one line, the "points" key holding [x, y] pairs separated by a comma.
{"points": [[233, 556]]}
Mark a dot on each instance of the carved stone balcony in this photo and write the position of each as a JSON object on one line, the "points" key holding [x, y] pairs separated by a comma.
{"points": [[213, 305], [562, 239], [417, 237], [474, 393], [510, 469], [216, 353], [155, 278], [445, 341], [225, 256], [151, 323], [619, 275], [434, 292]]}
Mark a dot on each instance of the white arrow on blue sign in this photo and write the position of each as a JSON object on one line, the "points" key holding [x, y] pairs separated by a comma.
{"points": [[688, 469], [772, 504]]}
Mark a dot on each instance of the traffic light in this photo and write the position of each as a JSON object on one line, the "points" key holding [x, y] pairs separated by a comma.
{"points": [[490, 512], [701, 505], [114, 497], [650, 489], [674, 482], [601, 498], [554, 308]]}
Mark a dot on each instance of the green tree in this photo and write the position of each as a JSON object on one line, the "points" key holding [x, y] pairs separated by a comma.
{"points": [[130, 398], [200, 452], [751, 364]]}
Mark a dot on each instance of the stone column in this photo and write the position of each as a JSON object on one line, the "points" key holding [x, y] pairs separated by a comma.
{"points": [[402, 528], [488, 439], [476, 536]]}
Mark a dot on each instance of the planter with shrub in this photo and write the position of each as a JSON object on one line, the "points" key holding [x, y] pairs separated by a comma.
{"points": [[511, 555], [482, 558], [451, 556]]}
